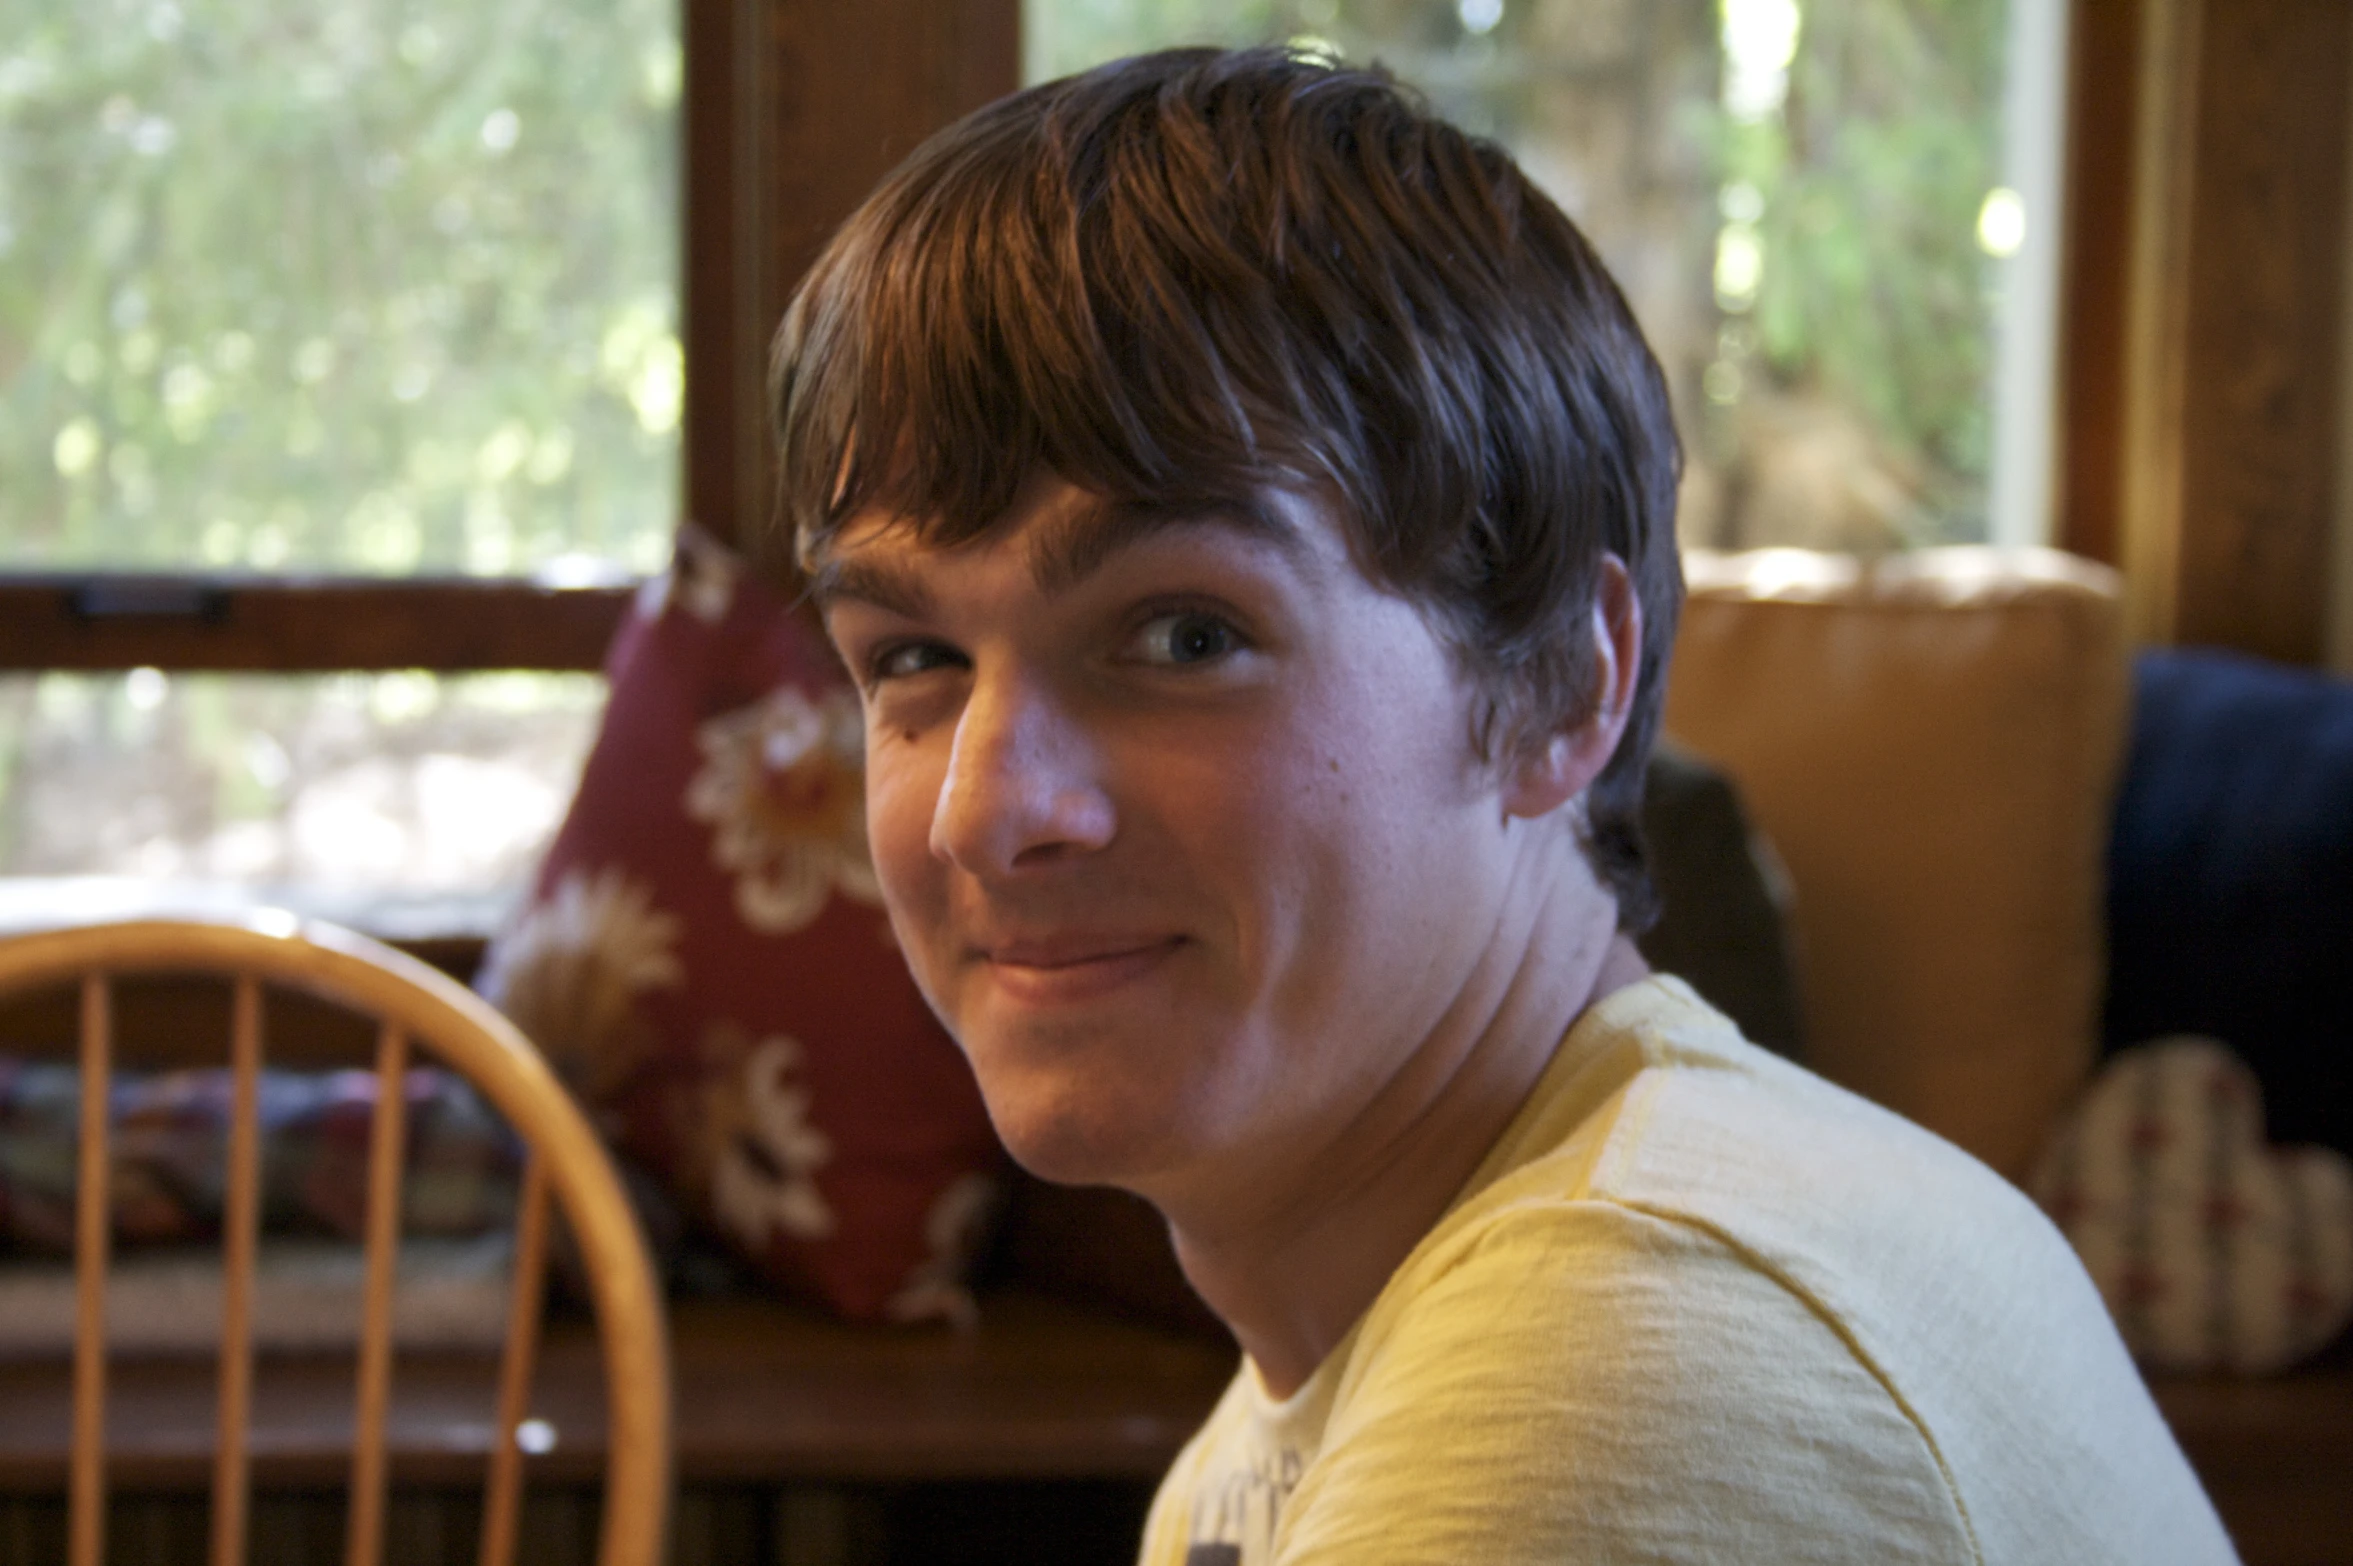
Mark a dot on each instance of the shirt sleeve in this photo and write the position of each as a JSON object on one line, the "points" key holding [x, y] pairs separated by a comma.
{"points": [[1591, 1383]]}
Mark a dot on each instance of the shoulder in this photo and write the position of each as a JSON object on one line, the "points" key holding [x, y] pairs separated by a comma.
{"points": [[1626, 1382], [1875, 1223], [1723, 1288]]}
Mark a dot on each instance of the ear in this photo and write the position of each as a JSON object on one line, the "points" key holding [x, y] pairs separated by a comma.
{"points": [[1572, 757]]}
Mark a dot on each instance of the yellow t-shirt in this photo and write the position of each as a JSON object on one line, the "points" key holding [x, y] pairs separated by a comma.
{"points": [[1700, 1305]]}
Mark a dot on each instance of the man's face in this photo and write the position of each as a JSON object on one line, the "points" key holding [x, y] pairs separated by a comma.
{"points": [[1179, 826]]}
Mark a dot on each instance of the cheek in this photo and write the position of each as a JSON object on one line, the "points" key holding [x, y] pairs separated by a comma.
{"points": [[1386, 840], [901, 792], [1277, 829]]}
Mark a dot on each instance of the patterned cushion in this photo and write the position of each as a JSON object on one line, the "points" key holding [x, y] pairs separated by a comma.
{"points": [[705, 957], [168, 1141], [2213, 1249]]}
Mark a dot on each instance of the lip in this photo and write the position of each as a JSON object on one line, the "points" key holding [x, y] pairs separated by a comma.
{"points": [[1063, 970]]}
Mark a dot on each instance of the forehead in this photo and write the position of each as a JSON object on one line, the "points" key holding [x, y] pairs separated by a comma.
{"points": [[1063, 535]]}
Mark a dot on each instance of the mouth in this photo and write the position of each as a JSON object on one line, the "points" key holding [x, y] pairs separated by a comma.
{"points": [[1072, 969]]}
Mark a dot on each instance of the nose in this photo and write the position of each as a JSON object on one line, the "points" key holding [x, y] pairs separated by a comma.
{"points": [[1023, 786]]}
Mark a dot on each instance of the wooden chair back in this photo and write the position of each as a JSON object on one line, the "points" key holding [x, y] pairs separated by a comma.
{"points": [[414, 1005]]}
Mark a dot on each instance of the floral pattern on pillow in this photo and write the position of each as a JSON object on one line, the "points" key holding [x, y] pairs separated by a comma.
{"points": [[571, 968], [765, 1148], [954, 1230], [706, 958], [783, 788]]}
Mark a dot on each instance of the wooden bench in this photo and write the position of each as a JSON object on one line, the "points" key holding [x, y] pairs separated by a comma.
{"points": [[766, 1393], [2276, 1454], [803, 1441], [823, 1423]]}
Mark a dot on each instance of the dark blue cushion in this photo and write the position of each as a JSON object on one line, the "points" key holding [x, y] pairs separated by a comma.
{"points": [[2230, 893]]}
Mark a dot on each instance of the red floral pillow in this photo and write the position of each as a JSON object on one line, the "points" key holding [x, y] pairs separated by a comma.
{"points": [[705, 956]]}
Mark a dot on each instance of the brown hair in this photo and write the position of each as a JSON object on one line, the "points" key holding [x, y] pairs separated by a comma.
{"points": [[1182, 279]]}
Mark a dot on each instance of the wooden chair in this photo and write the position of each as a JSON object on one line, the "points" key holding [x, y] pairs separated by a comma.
{"points": [[412, 1004]]}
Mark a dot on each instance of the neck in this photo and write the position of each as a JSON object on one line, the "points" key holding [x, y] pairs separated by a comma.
{"points": [[1293, 1263]]}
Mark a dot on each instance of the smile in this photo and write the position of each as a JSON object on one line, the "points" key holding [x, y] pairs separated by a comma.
{"points": [[1060, 972]]}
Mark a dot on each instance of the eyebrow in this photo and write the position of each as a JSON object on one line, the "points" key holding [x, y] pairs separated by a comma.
{"points": [[885, 585], [1076, 547], [1066, 552]]}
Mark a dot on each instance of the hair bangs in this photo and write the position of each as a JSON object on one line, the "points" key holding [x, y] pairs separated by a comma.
{"points": [[978, 321]]}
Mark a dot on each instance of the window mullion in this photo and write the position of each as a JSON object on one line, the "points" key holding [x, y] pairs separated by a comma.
{"points": [[102, 621]]}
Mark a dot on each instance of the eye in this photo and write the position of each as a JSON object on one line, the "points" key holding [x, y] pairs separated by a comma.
{"points": [[901, 660], [1185, 636]]}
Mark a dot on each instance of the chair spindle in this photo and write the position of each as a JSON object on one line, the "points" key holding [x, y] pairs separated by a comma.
{"points": [[241, 1222], [387, 1138], [502, 1501], [92, 1230]]}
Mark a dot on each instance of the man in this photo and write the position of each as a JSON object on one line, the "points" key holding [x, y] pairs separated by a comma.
{"points": [[1246, 507]]}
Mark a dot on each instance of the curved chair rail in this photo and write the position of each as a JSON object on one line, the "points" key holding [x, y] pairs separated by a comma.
{"points": [[475, 1040]]}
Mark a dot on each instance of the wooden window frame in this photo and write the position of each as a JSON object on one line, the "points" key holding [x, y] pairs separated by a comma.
{"points": [[2198, 398], [792, 110], [2205, 288]]}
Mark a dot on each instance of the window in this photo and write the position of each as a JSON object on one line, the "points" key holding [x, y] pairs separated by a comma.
{"points": [[789, 112], [1836, 220], [369, 290]]}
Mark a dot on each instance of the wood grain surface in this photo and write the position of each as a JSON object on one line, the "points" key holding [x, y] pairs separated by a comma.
{"points": [[1042, 1389], [292, 625], [2267, 275]]}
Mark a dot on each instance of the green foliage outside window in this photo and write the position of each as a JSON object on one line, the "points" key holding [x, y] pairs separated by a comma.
{"points": [[368, 285], [1872, 290], [1840, 190]]}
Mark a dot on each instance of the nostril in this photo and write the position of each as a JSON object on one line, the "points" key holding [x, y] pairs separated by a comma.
{"points": [[1022, 788]]}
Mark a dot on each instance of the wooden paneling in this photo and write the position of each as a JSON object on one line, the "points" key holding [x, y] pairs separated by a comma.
{"points": [[728, 299], [2202, 445], [2154, 360], [770, 1394], [795, 109], [856, 87], [2104, 61], [285, 626], [2266, 272]]}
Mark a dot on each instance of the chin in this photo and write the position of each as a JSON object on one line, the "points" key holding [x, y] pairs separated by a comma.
{"points": [[1061, 1127], [1102, 1094], [1070, 1148]]}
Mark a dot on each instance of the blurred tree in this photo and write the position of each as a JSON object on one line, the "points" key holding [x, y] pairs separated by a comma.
{"points": [[1847, 144], [377, 285], [1865, 190], [366, 285]]}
